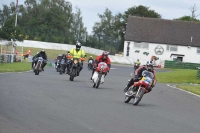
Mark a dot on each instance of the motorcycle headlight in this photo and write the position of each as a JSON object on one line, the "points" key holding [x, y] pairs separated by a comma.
{"points": [[75, 61]]}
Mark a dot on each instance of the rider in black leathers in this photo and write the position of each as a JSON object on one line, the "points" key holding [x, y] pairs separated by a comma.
{"points": [[42, 54], [65, 59], [57, 58]]}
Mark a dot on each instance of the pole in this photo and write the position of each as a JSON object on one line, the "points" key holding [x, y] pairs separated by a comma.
{"points": [[16, 11]]}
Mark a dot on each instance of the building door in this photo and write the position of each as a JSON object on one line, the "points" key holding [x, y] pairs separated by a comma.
{"points": [[179, 59]]}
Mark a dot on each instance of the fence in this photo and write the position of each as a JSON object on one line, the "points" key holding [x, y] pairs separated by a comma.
{"points": [[180, 65], [198, 73], [9, 58]]}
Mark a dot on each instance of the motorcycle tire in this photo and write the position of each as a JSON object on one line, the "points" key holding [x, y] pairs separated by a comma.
{"points": [[138, 96], [127, 99], [98, 81], [72, 75], [61, 71], [37, 69], [94, 85]]}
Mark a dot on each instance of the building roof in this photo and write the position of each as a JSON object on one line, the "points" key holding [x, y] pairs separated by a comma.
{"points": [[155, 30]]}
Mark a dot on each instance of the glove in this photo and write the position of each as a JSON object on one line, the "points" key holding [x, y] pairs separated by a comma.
{"points": [[136, 77], [107, 71], [95, 66]]}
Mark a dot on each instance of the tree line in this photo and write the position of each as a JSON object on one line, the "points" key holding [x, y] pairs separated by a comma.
{"points": [[55, 21]]}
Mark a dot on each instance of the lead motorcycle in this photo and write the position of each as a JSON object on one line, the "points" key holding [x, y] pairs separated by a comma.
{"points": [[99, 74], [138, 89], [38, 66], [75, 68]]}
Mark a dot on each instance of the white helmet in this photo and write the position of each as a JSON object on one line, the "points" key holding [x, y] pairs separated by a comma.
{"points": [[149, 65]]}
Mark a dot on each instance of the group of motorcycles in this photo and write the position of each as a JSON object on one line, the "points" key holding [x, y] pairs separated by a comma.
{"points": [[135, 92], [74, 66], [98, 76]]}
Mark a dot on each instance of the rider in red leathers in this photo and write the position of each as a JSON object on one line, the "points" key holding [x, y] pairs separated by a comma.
{"points": [[102, 58]]}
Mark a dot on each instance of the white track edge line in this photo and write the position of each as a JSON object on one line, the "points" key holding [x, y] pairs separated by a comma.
{"points": [[182, 90]]}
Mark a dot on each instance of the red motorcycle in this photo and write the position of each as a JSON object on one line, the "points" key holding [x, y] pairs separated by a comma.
{"points": [[138, 89], [99, 74]]}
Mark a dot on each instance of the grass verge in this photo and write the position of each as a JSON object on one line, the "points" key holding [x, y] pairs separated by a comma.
{"points": [[180, 76], [15, 67], [191, 88]]}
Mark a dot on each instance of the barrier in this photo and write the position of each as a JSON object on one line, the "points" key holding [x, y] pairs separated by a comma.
{"points": [[180, 65], [198, 73]]}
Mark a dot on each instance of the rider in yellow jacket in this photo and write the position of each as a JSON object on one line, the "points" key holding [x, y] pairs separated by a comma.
{"points": [[77, 53]]}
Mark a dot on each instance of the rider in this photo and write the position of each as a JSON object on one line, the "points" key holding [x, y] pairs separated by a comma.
{"points": [[43, 55], [33, 58], [102, 58], [137, 64], [57, 58], [64, 56], [77, 53], [138, 75], [90, 60]]}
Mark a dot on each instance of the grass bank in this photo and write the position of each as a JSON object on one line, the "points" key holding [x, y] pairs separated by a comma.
{"points": [[15, 67], [185, 79]]}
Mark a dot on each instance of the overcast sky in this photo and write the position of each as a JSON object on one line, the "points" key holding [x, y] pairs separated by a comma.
{"points": [[168, 9]]}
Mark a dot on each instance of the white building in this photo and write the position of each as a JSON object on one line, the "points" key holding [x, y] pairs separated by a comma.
{"points": [[165, 39]]}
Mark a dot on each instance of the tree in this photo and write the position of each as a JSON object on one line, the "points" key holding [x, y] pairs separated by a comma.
{"points": [[187, 18], [10, 31], [193, 10], [193, 16], [78, 28]]}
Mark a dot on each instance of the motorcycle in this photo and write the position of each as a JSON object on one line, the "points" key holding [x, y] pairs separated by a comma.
{"points": [[62, 66], [99, 74], [57, 65], [75, 68], [38, 66], [138, 89], [90, 65]]}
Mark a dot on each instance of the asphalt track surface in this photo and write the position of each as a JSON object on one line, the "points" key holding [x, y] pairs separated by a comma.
{"points": [[50, 103]]}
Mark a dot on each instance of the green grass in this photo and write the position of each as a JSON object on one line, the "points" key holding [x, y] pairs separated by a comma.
{"points": [[15, 67], [178, 76], [183, 78], [192, 88]]}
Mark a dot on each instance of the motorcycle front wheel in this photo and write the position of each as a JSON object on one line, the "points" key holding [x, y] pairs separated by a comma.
{"points": [[139, 96], [72, 75], [98, 81], [127, 99]]}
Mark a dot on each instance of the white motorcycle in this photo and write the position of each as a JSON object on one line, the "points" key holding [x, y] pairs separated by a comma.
{"points": [[99, 74]]}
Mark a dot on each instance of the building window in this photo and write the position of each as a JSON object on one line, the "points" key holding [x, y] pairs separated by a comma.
{"points": [[172, 48], [141, 45], [198, 50]]}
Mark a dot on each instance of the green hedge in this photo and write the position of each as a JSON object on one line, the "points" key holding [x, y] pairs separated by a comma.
{"points": [[180, 65]]}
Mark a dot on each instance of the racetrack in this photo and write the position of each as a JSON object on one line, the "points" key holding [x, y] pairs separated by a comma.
{"points": [[50, 103]]}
